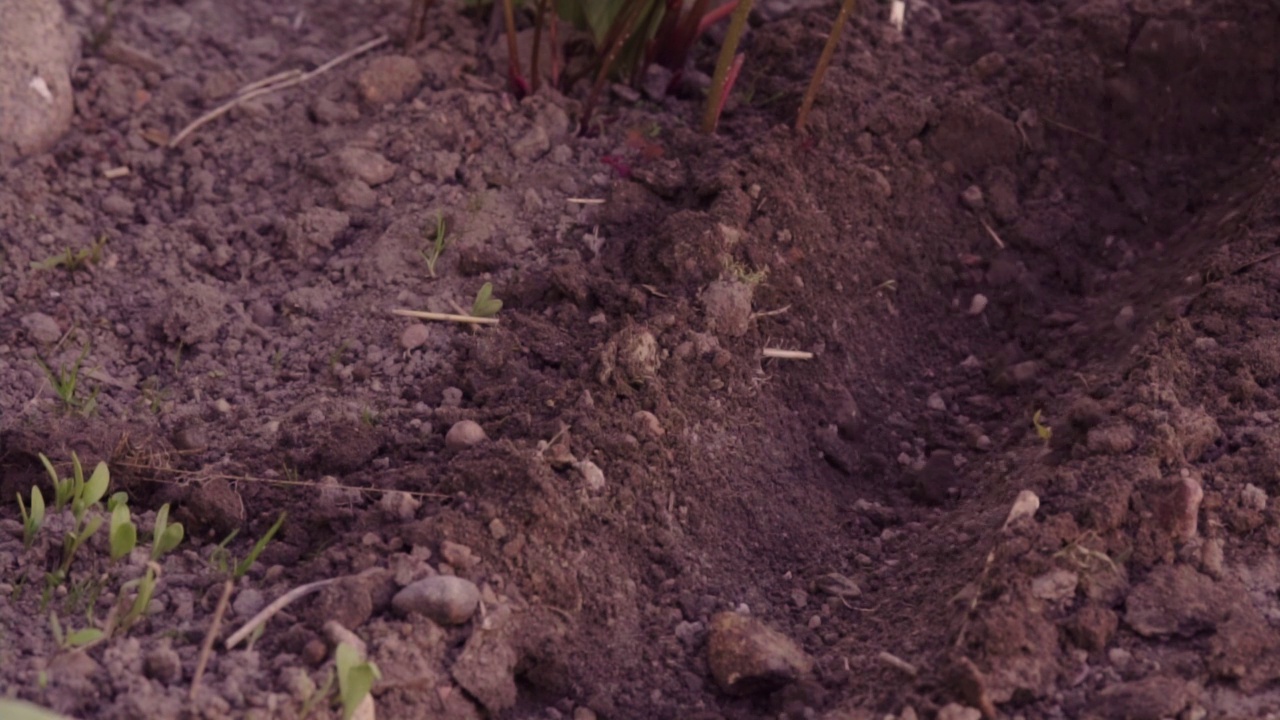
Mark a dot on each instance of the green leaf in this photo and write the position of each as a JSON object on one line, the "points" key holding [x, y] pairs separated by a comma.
{"points": [[92, 527], [123, 535], [97, 485], [37, 507], [355, 678], [1044, 431], [80, 638], [166, 537], [117, 499], [486, 305]]}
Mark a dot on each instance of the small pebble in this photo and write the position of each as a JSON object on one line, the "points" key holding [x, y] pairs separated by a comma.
{"points": [[464, 434], [935, 402], [445, 599], [972, 197], [248, 602], [977, 304], [592, 474], [414, 336]]}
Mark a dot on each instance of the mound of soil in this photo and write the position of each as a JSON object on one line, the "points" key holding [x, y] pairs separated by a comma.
{"points": [[1028, 247]]}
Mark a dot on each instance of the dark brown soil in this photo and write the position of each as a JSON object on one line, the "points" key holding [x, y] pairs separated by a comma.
{"points": [[1016, 207]]}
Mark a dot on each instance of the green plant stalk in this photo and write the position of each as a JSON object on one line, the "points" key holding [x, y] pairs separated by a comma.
{"points": [[721, 81], [815, 83]]}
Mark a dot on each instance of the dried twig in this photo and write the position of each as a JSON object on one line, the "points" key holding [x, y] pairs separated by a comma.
{"points": [[269, 85], [207, 648], [992, 233], [267, 612], [445, 317], [780, 354]]}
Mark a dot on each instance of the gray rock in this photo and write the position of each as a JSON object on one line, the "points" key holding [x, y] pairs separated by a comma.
{"points": [[163, 664], [445, 599], [365, 165], [486, 667], [746, 657], [464, 434], [389, 79], [42, 328], [728, 305], [37, 51], [248, 602]]}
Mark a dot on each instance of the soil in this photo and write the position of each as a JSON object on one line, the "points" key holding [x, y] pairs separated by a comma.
{"points": [[1013, 210]]}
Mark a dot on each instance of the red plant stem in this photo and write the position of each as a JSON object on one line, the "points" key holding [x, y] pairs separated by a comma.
{"points": [[815, 83], [537, 43], [728, 85], [518, 84], [715, 16], [720, 81]]}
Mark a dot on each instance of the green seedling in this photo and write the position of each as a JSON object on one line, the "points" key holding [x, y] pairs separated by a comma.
{"points": [[80, 495], [486, 305], [74, 640], [1044, 431], [65, 381], [122, 533], [73, 260], [166, 536], [432, 254], [31, 521], [355, 678]]}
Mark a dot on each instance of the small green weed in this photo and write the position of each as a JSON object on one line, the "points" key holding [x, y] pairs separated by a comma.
{"points": [[432, 254], [486, 305], [73, 260], [223, 561], [65, 381]]}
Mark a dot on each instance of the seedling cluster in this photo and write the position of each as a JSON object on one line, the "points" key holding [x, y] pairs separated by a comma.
{"points": [[77, 502]]}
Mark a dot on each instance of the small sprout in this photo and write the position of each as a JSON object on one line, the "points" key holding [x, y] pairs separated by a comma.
{"points": [[122, 533], [74, 640], [65, 382], [355, 678], [144, 588], [73, 540], [432, 254], [486, 305], [165, 537], [31, 521], [91, 492], [1044, 431], [73, 260]]}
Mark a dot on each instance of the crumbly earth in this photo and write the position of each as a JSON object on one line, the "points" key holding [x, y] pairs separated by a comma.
{"points": [[1012, 208]]}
